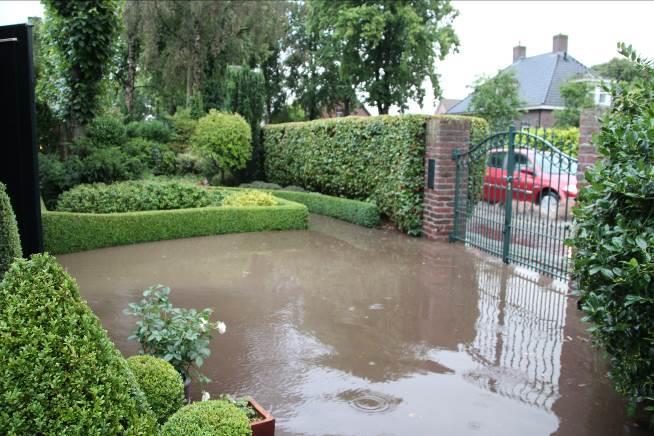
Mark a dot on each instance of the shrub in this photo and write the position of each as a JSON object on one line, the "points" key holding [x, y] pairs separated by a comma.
{"points": [[614, 238], [225, 139], [156, 156], [132, 196], [153, 130], [107, 165], [353, 211], [188, 163], [56, 176], [106, 131], [178, 335], [59, 372], [66, 232], [250, 198], [9, 239], [378, 158], [260, 185], [184, 126], [215, 417], [160, 382]]}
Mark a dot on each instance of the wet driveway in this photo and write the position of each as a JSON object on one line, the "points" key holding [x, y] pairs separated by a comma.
{"points": [[342, 330]]}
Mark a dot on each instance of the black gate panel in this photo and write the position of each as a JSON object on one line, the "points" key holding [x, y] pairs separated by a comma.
{"points": [[18, 149]]}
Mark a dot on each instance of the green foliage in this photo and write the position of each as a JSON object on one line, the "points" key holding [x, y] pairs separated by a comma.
{"points": [[184, 126], [160, 382], [257, 184], [9, 240], [59, 372], [250, 198], [385, 48], [106, 131], [80, 38], [243, 404], [153, 130], [106, 165], [614, 237], [353, 211], [132, 196], [67, 232], [215, 417], [56, 176], [176, 335], [223, 138], [158, 157], [245, 95], [566, 140], [377, 158], [496, 100], [577, 96], [618, 69]]}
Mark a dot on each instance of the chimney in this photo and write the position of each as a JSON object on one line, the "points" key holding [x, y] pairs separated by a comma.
{"points": [[519, 52], [560, 43]]}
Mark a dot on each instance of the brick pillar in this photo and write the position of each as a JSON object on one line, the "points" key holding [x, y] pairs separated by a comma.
{"points": [[444, 134], [588, 125]]}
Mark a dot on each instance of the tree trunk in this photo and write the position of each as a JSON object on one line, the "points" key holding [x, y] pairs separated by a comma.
{"points": [[131, 72], [346, 107]]}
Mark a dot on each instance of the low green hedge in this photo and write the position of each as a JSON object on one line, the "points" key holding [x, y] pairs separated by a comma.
{"points": [[380, 158], [66, 232], [353, 211], [133, 196]]}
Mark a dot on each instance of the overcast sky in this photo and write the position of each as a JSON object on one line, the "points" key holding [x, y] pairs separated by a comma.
{"points": [[488, 30]]}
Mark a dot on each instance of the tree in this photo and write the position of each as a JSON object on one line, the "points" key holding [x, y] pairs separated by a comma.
{"points": [[387, 47], [577, 95], [619, 69], [79, 38], [496, 99]]}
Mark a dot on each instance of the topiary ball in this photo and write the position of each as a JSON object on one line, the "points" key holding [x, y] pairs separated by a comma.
{"points": [[59, 372], [9, 239], [160, 382], [224, 139], [216, 417]]}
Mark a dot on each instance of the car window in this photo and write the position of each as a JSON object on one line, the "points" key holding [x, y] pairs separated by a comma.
{"points": [[496, 160]]}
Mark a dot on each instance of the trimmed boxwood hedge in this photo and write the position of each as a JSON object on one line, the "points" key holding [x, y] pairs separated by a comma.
{"points": [[59, 371], [9, 239], [215, 417], [379, 158], [160, 382], [353, 211], [67, 232]]}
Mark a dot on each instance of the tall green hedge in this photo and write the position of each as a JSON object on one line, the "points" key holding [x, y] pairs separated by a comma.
{"points": [[377, 158], [9, 240], [59, 371], [66, 232], [614, 237]]}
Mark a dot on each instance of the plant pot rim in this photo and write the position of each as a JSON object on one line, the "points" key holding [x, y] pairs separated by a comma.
{"points": [[267, 417]]}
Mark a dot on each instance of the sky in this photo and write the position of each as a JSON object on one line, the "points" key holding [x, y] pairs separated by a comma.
{"points": [[488, 30]]}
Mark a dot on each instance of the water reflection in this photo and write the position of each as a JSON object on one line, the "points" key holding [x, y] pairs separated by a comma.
{"points": [[350, 331]]}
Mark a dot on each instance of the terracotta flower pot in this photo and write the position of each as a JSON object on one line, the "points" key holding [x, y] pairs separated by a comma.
{"points": [[266, 425]]}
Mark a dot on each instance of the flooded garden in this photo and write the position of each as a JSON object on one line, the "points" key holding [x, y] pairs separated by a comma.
{"points": [[350, 331]]}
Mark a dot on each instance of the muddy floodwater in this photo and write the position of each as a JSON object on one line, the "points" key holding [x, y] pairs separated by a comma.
{"points": [[342, 330]]}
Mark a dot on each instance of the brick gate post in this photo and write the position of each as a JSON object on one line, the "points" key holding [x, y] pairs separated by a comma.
{"points": [[444, 135], [588, 125]]}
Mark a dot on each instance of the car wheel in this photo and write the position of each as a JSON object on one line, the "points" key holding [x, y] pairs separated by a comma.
{"points": [[549, 202]]}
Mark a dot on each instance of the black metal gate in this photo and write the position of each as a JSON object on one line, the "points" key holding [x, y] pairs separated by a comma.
{"points": [[514, 192]]}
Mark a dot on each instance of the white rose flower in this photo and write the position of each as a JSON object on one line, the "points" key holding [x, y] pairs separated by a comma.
{"points": [[221, 327]]}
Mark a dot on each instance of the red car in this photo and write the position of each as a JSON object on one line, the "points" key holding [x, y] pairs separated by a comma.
{"points": [[544, 178]]}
